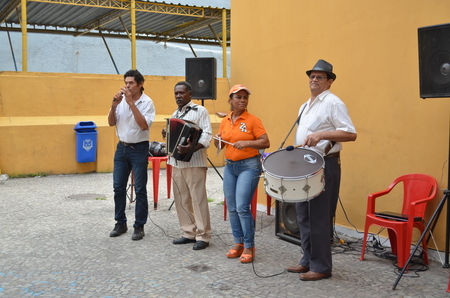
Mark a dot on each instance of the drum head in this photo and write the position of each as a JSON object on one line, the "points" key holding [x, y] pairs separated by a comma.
{"points": [[292, 164]]}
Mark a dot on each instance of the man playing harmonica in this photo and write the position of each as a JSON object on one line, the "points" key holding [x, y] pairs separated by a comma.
{"points": [[132, 113]]}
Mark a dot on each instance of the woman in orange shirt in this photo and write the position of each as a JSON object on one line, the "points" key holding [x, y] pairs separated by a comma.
{"points": [[243, 135]]}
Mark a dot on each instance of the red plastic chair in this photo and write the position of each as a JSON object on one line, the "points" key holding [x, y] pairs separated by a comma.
{"points": [[418, 190], [156, 166], [448, 287]]}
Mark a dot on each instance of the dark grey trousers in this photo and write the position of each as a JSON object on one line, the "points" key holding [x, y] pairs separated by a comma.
{"points": [[315, 220]]}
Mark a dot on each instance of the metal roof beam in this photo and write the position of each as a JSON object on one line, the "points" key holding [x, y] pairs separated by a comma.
{"points": [[218, 39], [189, 27], [111, 34], [114, 4], [9, 9], [144, 6], [111, 16], [111, 10]]}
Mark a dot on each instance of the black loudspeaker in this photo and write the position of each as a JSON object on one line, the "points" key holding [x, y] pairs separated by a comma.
{"points": [[434, 61], [286, 226], [201, 74]]}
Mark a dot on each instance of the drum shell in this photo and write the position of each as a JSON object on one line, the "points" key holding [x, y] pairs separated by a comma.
{"points": [[294, 176]]}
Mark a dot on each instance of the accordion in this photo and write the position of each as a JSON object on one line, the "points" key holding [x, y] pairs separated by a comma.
{"points": [[178, 132]]}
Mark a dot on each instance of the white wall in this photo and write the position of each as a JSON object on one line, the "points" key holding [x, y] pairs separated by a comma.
{"points": [[84, 54]]}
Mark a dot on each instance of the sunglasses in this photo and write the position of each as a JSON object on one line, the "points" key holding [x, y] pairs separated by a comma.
{"points": [[319, 78]]}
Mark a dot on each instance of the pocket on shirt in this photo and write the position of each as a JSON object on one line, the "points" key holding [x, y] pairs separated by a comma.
{"points": [[316, 123]]}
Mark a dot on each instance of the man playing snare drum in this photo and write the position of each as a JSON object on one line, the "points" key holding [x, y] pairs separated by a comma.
{"points": [[324, 123]]}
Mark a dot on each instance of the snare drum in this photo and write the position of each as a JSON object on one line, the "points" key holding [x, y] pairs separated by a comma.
{"points": [[294, 176]]}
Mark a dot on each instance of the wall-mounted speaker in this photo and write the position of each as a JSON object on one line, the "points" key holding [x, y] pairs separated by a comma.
{"points": [[201, 74], [286, 227], [434, 61]]}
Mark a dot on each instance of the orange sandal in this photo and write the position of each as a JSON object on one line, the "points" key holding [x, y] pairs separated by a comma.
{"points": [[235, 253], [248, 258]]}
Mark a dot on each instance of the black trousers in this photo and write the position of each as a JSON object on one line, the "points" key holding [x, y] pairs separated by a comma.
{"points": [[315, 220]]}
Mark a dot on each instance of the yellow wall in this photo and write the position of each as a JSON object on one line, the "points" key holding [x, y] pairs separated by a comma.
{"points": [[373, 47], [38, 113]]}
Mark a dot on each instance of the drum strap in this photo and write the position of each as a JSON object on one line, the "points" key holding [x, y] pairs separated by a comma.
{"points": [[299, 116], [295, 123]]}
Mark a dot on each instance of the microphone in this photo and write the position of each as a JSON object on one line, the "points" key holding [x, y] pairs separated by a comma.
{"points": [[290, 148]]}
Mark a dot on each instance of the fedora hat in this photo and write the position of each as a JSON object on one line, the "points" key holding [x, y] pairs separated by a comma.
{"points": [[324, 66]]}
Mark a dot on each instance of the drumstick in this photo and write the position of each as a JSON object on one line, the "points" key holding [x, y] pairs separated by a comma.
{"points": [[290, 148], [219, 139]]}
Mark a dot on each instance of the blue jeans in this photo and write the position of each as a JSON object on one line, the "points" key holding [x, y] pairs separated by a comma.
{"points": [[239, 183], [129, 158]]}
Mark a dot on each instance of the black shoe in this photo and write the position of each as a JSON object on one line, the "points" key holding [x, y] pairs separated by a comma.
{"points": [[119, 229], [138, 233], [200, 245], [183, 240]]}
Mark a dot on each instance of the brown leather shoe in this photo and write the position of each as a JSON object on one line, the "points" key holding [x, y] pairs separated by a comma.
{"points": [[311, 275], [297, 269]]}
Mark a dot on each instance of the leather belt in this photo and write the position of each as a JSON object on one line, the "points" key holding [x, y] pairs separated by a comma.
{"points": [[336, 154], [130, 144]]}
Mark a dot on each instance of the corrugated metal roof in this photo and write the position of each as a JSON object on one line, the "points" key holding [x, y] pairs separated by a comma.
{"points": [[156, 21]]}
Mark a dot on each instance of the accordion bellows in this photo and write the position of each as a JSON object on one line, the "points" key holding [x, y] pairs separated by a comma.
{"points": [[178, 132]]}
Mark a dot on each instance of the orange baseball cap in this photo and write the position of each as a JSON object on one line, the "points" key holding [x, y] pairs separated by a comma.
{"points": [[237, 88]]}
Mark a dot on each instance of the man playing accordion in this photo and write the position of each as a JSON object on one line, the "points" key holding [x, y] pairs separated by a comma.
{"points": [[189, 177]]}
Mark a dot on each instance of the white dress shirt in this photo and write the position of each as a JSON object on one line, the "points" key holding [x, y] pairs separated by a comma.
{"points": [[127, 129], [326, 113]]}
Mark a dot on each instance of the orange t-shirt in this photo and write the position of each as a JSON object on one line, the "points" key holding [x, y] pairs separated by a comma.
{"points": [[246, 127]]}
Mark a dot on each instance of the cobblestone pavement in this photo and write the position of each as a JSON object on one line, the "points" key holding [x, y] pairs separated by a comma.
{"points": [[54, 242]]}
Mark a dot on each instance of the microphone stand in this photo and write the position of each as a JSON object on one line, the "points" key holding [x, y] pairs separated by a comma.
{"points": [[433, 220], [218, 173], [214, 167]]}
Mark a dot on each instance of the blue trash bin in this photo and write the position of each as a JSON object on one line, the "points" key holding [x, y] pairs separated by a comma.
{"points": [[86, 141]]}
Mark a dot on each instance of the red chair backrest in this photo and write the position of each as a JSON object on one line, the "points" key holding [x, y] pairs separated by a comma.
{"points": [[417, 187]]}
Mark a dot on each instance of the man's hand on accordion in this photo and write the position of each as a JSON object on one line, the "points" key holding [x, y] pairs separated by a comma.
{"points": [[184, 149], [189, 147]]}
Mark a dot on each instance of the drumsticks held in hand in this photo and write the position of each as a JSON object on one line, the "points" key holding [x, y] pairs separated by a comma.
{"points": [[329, 146], [290, 148], [220, 140]]}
